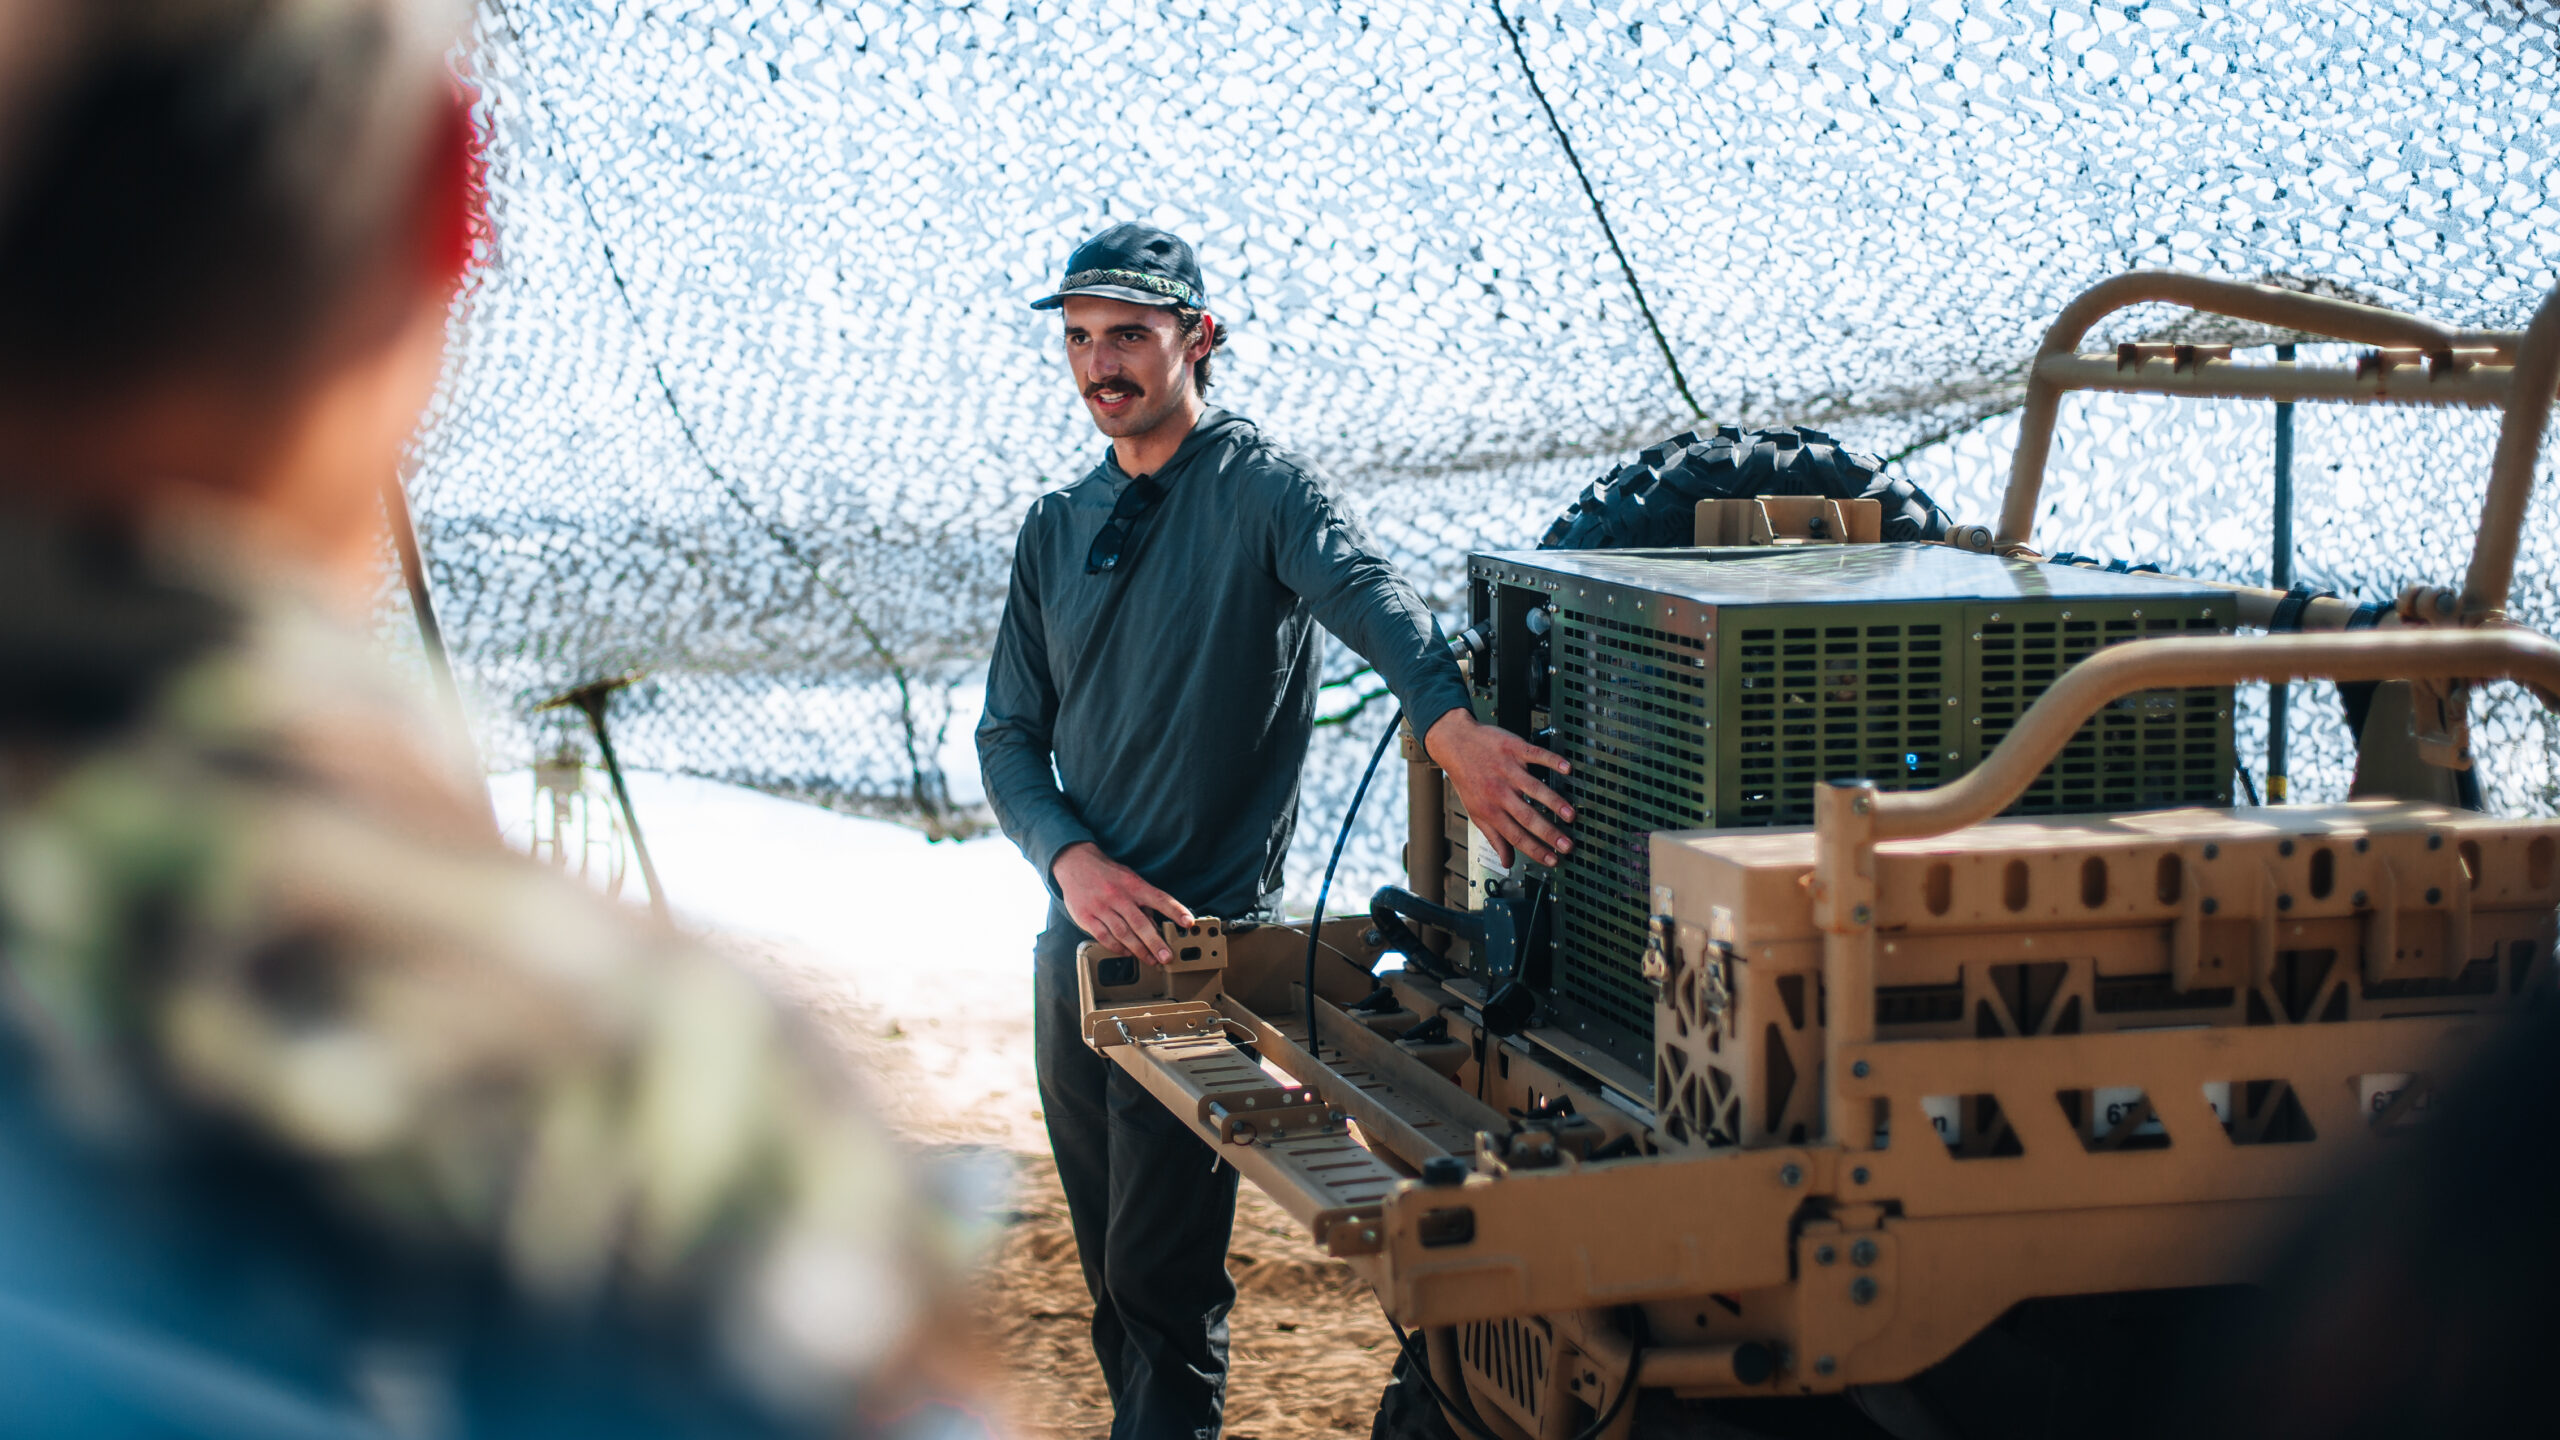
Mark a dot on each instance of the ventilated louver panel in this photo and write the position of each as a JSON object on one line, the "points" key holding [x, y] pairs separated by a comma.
{"points": [[1840, 693], [1631, 709], [2158, 748], [1512, 1358]]}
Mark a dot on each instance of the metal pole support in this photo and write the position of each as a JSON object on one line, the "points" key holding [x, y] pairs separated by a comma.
{"points": [[590, 700], [2280, 576], [422, 604]]}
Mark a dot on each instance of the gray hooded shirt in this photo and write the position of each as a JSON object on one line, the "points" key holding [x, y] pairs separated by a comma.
{"points": [[1162, 709]]}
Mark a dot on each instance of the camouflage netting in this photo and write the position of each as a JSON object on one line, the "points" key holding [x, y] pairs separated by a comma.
{"points": [[750, 402]]}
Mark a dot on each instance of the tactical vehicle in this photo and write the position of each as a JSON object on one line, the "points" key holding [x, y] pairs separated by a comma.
{"points": [[1914, 966]]}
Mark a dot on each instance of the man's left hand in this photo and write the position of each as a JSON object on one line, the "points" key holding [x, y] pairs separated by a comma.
{"points": [[1490, 766]]}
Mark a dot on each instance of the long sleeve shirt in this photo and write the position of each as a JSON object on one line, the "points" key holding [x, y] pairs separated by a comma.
{"points": [[1162, 709]]}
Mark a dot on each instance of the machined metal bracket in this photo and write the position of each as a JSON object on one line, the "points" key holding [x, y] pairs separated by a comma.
{"points": [[1242, 1117], [1108, 981], [1155, 1024], [1848, 1292], [1788, 520], [1661, 946], [2440, 721]]}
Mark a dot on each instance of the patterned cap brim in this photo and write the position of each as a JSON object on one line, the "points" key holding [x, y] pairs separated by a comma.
{"points": [[1107, 292], [1139, 287]]}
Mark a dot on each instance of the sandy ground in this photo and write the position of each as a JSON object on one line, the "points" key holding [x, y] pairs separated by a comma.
{"points": [[931, 999], [1310, 1349]]}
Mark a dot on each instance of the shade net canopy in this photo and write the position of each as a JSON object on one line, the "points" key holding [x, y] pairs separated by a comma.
{"points": [[749, 403]]}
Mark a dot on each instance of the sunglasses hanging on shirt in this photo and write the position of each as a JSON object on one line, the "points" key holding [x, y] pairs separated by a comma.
{"points": [[1135, 502]]}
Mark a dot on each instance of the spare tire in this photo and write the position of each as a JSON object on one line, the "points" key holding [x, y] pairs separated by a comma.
{"points": [[1652, 502]]}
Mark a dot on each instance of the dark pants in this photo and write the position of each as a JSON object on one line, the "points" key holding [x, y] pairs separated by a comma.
{"points": [[1152, 1209]]}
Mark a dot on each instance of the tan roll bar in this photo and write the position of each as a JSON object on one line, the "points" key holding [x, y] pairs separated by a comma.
{"points": [[2418, 362], [2111, 674], [2493, 555]]}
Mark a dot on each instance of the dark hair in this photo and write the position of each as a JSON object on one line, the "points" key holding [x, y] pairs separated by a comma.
{"points": [[1187, 318], [208, 189]]}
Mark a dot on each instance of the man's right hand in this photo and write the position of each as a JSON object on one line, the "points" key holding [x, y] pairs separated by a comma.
{"points": [[1110, 902]]}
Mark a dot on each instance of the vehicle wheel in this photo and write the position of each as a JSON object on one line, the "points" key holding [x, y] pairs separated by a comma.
{"points": [[1651, 502], [1406, 1411]]}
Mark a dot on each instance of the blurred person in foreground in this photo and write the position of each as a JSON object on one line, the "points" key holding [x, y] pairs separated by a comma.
{"points": [[320, 1115], [1149, 706]]}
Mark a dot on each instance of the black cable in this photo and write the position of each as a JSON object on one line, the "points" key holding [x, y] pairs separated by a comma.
{"points": [[1599, 212], [1315, 927], [1422, 1372], [1529, 928]]}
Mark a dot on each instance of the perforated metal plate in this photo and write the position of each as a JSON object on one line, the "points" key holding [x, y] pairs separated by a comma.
{"points": [[1632, 711], [2159, 748], [1823, 693]]}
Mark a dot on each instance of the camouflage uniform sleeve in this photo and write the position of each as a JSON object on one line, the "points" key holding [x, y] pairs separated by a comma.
{"points": [[463, 1047]]}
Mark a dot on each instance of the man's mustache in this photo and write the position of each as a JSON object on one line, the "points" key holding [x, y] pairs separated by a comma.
{"points": [[1115, 383]]}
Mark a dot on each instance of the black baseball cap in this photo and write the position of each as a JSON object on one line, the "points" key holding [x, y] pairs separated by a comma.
{"points": [[1136, 263]]}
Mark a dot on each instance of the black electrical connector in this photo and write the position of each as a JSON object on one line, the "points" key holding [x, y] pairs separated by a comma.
{"points": [[1393, 905], [1510, 1009]]}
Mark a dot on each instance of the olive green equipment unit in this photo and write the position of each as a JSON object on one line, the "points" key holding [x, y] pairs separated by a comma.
{"points": [[1713, 688], [1914, 971]]}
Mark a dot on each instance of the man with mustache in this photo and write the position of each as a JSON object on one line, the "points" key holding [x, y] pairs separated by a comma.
{"points": [[1148, 710]]}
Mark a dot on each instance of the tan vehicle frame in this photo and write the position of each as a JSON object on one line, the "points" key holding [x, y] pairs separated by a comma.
{"points": [[1788, 1225]]}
